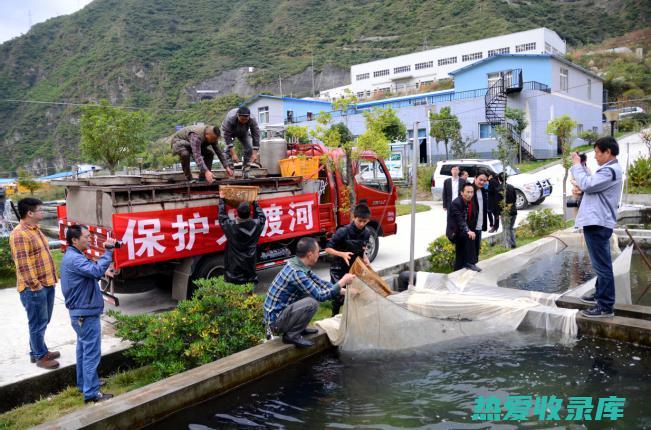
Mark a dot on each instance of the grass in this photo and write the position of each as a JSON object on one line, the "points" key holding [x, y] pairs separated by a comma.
{"points": [[406, 209], [10, 281], [528, 166], [324, 311], [644, 189], [69, 400]]}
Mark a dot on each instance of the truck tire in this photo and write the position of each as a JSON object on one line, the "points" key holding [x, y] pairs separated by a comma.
{"points": [[373, 244], [539, 201], [210, 266], [520, 200]]}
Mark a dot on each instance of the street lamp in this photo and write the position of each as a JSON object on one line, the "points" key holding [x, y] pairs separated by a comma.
{"points": [[612, 115]]}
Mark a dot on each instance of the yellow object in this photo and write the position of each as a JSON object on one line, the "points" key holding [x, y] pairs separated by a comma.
{"points": [[234, 194], [307, 167]]}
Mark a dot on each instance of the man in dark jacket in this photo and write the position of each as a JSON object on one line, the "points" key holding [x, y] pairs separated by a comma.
{"points": [[242, 236], [511, 212], [458, 229], [480, 208], [239, 123], [84, 301], [197, 140], [494, 209], [346, 245], [451, 187]]}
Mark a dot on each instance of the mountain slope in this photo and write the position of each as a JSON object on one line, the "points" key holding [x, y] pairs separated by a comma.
{"points": [[147, 53]]}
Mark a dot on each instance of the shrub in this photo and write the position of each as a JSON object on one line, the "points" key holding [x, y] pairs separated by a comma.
{"points": [[6, 262], [424, 174], [640, 172], [441, 255], [541, 222], [220, 319]]}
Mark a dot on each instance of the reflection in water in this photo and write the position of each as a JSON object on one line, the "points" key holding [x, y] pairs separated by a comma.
{"points": [[432, 388], [552, 274]]}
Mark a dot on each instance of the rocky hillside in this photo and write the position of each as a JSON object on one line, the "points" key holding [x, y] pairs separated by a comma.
{"points": [[154, 54]]}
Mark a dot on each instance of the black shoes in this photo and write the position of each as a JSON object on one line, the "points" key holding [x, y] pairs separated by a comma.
{"points": [[100, 397], [472, 267], [299, 341], [597, 312], [308, 331], [589, 299]]}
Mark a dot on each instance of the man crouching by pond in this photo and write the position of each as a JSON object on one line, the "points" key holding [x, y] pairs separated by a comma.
{"points": [[84, 301], [294, 294]]}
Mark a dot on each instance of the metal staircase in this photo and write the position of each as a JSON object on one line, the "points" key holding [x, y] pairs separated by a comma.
{"points": [[495, 104]]}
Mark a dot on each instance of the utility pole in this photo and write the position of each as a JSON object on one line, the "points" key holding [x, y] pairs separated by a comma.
{"points": [[414, 186], [280, 85]]}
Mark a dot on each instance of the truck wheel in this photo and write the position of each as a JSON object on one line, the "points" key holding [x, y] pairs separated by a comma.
{"points": [[373, 244], [210, 266], [539, 201], [520, 200]]}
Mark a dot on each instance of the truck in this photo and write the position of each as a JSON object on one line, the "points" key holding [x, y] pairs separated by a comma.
{"points": [[168, 228]]}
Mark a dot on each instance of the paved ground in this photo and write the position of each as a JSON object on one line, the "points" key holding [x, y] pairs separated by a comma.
{"points": [[393, 250]]}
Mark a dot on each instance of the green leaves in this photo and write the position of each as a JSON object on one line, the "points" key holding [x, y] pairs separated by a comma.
{"points": [[445, 127]]}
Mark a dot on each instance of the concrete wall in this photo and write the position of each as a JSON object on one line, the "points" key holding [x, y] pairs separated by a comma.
{"points": [[533, 69], [276, 113]]}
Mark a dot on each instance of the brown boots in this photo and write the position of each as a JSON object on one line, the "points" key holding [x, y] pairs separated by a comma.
{"points": [[48, 360]]}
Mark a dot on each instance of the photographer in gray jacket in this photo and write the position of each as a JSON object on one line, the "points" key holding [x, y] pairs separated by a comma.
{"points": [[598, 216]]}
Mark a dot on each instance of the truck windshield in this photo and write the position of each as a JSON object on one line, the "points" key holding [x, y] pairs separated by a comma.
{"points": [[371, 174]]}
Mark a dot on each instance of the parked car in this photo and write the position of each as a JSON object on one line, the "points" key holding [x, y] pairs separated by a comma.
{"points": [[530, 190], [630, 111]]}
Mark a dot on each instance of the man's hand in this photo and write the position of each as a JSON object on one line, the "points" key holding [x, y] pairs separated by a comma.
{"points": [[254, 156], [229, 172], [346, 256], [576, 159], [110, 243], [472, 235], [209, 177], [342, 291], [221, 193], [110, 272], [346, 279], [366, 260], [234, 156]]}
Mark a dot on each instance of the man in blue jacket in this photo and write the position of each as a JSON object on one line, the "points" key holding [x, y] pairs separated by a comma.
{"points": [[84, 301], [598, 216]]}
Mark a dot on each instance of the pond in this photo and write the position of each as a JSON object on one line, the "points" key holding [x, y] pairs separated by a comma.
{"points": [[435, 388]]}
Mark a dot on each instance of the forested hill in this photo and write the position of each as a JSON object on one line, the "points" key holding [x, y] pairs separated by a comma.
{"points": [[150, 53]]}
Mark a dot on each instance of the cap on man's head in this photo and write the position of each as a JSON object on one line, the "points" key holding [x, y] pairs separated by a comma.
{"points": [[244, 210], [243, 111]]}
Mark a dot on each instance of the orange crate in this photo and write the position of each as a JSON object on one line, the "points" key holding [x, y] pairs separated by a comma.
{"points": [[235, 194], [307, 167]]}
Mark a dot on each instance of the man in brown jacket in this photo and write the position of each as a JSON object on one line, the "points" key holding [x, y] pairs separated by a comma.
{"points": [[198, 141]]}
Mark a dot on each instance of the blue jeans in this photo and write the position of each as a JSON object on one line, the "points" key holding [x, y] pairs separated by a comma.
{"points": [[597, 239], [38, 305], [89, 352]]}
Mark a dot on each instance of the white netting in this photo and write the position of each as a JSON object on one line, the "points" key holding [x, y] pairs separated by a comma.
{"points": [[465, 303]]}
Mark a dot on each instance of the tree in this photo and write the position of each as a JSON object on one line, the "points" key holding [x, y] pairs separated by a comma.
{"points": [[26, 180], [386, 122], [461, 148], [505, 151], [645, 135], [110, 134], [444, 127], [298, 133], [343, 106], [157, 154], [518, 121], [589, 136], [562, 127]]}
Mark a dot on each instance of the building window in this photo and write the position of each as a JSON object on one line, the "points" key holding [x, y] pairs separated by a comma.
{"points": [[493, 52], [402, 69], [493, 77], [564, 79], [486, 131], [263, 115], [424, 65], [579, 129], [379, 73], [444, 61], [290, 116], [360, 94], [473, 56], [548, 48], [589, 89], [525, 47], [362, 76], [310, 116]]}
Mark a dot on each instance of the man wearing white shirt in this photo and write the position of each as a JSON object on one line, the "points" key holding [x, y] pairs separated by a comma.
{"points": [[480, 205]]}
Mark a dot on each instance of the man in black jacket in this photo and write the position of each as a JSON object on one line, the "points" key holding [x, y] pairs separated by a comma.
{"points": [[480, 203], [511, 212], [451, 187], [459, 231], [242, 236], [241, 125]]}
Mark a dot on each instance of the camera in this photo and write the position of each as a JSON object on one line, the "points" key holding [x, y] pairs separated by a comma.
{"points": [[573, 203]]}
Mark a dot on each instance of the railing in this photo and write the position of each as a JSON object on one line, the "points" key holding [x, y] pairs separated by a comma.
{"points": [[512, 79], [495, 102], [519, 140], [536, 86]]}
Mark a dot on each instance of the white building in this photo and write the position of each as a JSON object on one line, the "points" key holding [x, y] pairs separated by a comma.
{"points": [[411, 71]]}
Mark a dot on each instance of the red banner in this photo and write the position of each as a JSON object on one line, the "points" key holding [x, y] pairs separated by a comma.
{"points": [[148, 237]]}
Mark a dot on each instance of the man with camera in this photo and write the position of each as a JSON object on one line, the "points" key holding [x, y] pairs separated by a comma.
{"points": [[598, 216]]}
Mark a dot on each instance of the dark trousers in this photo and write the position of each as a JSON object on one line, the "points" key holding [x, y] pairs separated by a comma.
{"points": [[489, 215], [38, 305], [597, 239], [185, 154], [247, 149], [338, 301], [464, 251], [89, 353], [295, 317], [477, 246]]}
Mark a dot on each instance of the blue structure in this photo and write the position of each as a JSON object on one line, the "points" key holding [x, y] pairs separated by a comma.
{"points": [[544, 86], [275, 111]]}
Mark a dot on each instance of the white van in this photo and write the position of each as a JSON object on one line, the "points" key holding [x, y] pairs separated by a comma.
{"points": [[529, 189]]}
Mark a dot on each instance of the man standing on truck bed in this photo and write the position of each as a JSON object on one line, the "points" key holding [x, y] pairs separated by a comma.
{"points": [[239, 123], [242, 236], [197, 140]]}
